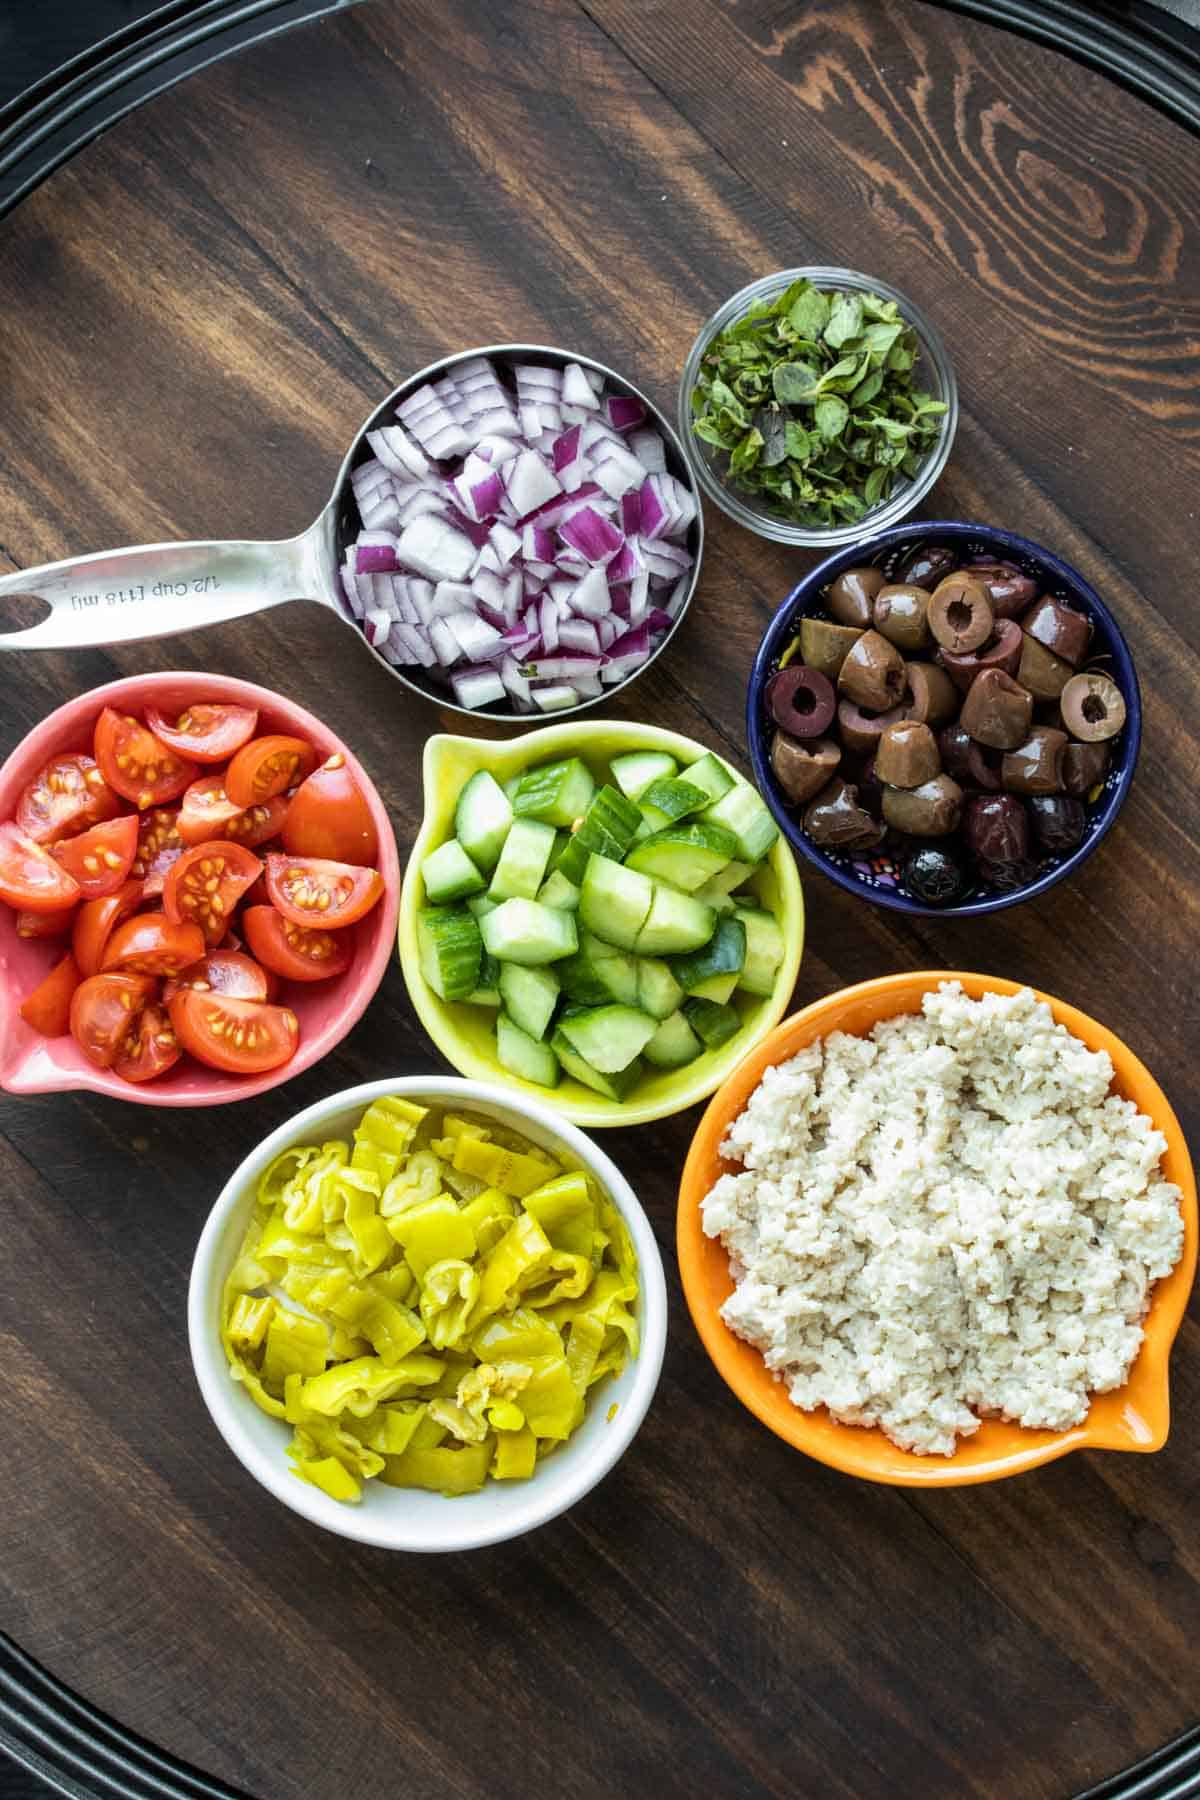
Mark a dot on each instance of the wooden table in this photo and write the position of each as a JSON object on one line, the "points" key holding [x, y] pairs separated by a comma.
{"points": [[198, 311]]}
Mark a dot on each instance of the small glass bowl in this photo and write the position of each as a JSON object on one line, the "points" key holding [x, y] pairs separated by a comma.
{"points": [[934, 373]]}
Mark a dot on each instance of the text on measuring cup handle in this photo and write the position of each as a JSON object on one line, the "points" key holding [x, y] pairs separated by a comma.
{"points": [[139, 591]]}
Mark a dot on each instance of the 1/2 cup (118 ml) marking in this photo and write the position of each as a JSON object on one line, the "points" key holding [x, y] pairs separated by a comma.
{"points": [[159, 590]]}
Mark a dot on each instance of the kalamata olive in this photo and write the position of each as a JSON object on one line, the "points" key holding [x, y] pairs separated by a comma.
{"points": [[934, 875], [900, 612], [801, 701], [870, 790], [1093, 708], [969, 763], [1059, 628], [1039, 670], [907, 755], [1084, 767], [1058, 822], [824, 646], [931, 696], [960, 613], [859, 730], [927, 564], [802, 768], [873, 673], [836, 821], [1002, 652], [931, 810], [1006, 878], [849, 596], [996, 828], [1010, 592], [1035, 767], [997, 711]]}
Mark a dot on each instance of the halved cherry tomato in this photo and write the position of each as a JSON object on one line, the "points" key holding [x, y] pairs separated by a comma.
{"points": [[243, 1036], [95, 922], [205, 885], [30, 877], [225, 972], [149, 1048], [134, 762], [99, 859], [207, 731], [268, 766], [48, 1008], [209, 813], [329, 817], [309, 891], [45, 925], [159, 845], [149, 944], [103, 1007], [297, 952], [65, 796]]}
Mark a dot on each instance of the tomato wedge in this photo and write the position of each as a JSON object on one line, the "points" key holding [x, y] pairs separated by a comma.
{"points": [[100, 858], [103, 1007], [48, 1008], [205, 885], [134, 762], [95, 922], [208, 731], [29, 876], [149, 944], [310, 891], [268, 766], [209, 813], [245, 1037], [149, 1048], [329, 817], [159, 845], [225, 972], [66, 795], [45, 925], [297, 952]]}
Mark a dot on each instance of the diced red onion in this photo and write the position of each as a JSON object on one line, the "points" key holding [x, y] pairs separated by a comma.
{"points": [[554, 699], [624, 412], [480, 688], [594, 536], [397, 452], [579, 634], [590, 597], [577, 390], [548, 623]]}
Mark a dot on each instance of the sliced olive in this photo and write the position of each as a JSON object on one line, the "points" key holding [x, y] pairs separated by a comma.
{"points": [[1039, 670], [824, 646], [836, 821], [900, 613], [1006, 878], [907, 755], [861, 730], [967, 761], [1009, 591], [931, 696], [803, 768], [850, 596], [1093, 707], [927, 564], [1060, 629], [1084, 767], [1002, 652], [997, 711], [801, 700], [873, 673], [931, 810], [960, 613], [1035, 767], [996, 828], [934, 875], [1059, 822]]}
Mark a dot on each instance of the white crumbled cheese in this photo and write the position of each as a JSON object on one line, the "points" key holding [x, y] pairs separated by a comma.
{"points": [[948, 1219]]}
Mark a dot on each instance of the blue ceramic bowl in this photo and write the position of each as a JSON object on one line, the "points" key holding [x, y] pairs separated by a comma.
{"points": [[875, 874]]}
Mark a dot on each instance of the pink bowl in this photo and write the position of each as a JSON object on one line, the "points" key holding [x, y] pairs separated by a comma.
{"points": [[30, 1064]]}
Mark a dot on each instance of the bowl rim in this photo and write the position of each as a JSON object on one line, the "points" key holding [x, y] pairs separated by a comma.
{"points": [[850, 1448], [221, 1394], [898, 505], [598, 1112], [771, 645], [34, 749]]}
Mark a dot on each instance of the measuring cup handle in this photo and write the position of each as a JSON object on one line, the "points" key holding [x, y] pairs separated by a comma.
{"points": [[156, 590]]}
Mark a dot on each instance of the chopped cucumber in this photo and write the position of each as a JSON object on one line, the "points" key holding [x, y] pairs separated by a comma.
{"points": [[665, 801], [598, 973], [717, 987], [482, 818], [741, 811], [711, 774], [511, 786], [719, 887], [558, 793], [658, 992], [522, 866], [449, 874], [487, 989], [530, 996], [686, 855], [636, 769], [607, 1037], [479, 904], [764, 950], [484, 996], [616, 1086], [713, 1023], [724, 954], [606, 829], [673, 1044], [614, 901], [449, 950], [675, 922], [521, 931], [556, 890], [523, 1055]]}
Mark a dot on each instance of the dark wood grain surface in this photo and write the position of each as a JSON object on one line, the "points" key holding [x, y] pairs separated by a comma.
{"points": [[196, 314]]}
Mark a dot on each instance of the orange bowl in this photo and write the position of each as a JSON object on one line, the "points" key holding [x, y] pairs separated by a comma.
{"points": [[1134, 1417]]}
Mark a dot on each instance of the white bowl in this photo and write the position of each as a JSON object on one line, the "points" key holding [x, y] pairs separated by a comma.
{"points": [[404, 1518]]}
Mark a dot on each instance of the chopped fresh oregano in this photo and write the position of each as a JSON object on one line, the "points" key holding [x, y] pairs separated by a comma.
{"points": [[811, 398]]}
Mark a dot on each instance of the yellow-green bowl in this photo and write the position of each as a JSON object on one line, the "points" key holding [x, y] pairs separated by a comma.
{"points": [[466, 1036]]}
